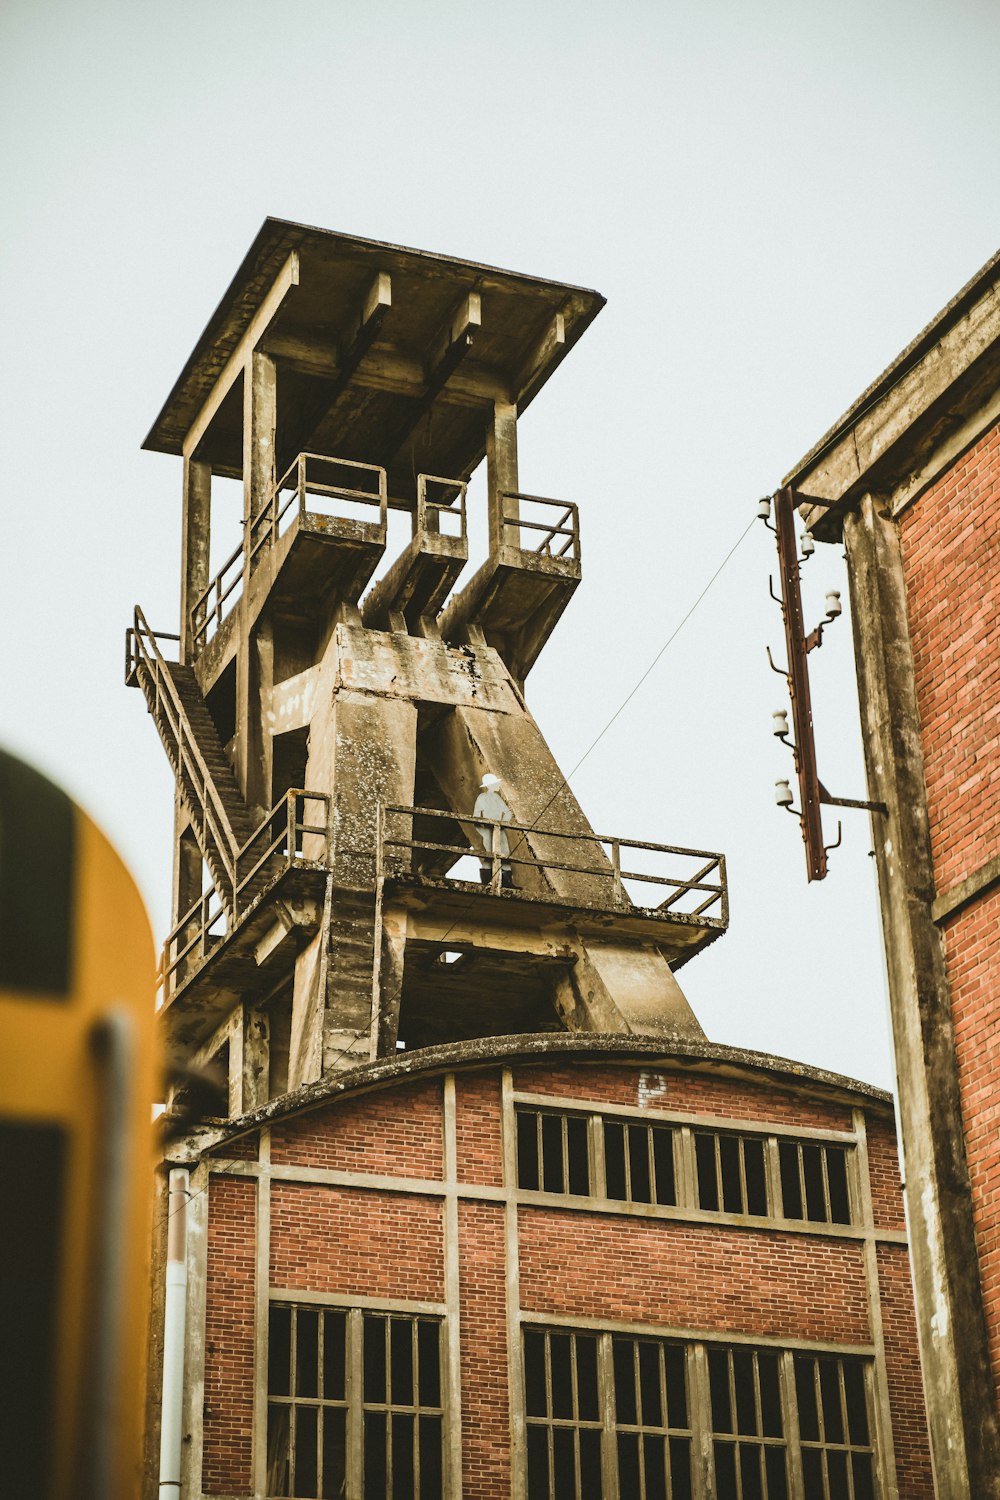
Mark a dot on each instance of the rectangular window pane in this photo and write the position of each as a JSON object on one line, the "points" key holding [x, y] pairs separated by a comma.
{"points": [[304, 1477], [614, 1161], [402, 1432], [732, 1188], [812, 1171], [431, 1458], [334, 1355], [560, 1359], [538, 1463], [834, 1425], [306, 1352], [527, 1150], [429, 1361], [588, 1405], [374, 1359], [401, 1361], [334, 1452], [578, 1154], [756, 1181], [553, 1178], [640, 1185], [375, 1456], [278, 1437], [536, 1403], [279, 1351], [708, 1189], [663, 1157], [836, 1171], [746, 1395], [791, 1188]]}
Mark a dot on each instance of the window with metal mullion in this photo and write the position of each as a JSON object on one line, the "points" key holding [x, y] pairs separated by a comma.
{"points": [[564, 1442], [303, 1422], [652, 1452], [395, 1417], [835, 1427], [749, 1461]]}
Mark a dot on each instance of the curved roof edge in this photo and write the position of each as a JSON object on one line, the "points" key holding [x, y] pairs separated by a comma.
{"points": [[484, 1052]]}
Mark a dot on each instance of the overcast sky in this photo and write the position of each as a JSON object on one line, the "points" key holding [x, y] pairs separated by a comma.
{"points": [[774, 198]]}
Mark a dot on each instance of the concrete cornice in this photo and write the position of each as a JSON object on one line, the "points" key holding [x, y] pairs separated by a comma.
{"points": [[695, 1055], [934, 399]]}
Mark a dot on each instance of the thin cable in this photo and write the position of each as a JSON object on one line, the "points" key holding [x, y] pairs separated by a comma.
{"points": [[621, 707]]}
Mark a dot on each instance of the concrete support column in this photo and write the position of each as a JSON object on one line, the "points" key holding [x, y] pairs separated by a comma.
{"points": [[950, 1321], [260, 408], [196, 536], [501, 466]]}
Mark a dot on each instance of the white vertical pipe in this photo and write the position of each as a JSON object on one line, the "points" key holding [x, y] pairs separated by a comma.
{"points": [[172, 1409]]}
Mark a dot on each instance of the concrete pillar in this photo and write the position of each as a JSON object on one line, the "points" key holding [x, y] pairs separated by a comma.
{"points": [[196, 536], [501, 466], [260, 407], [950, 1320]]}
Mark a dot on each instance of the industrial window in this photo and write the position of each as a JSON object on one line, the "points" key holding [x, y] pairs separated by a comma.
{"points": [[732, 1177], [553, 1152], [748, 1429], [814, 1182], [354, 1404], [617, 1416], [653, 1435], [639, 1162], [563, 1410], [632, 1160], [837, 1459]]}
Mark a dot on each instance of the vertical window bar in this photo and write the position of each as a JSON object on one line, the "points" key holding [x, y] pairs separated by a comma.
{"points": [[802, 1181], [293, 1385], [741, 1147], [719, 1187]]}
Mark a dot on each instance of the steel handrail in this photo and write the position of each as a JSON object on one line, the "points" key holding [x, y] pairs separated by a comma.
{"points": [[568, 524], [681, 886], [294, 827], [188, 753]]}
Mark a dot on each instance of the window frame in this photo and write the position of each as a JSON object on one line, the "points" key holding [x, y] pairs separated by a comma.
{"points": [[701, 1425], [355, 1403], [685, 1128]]}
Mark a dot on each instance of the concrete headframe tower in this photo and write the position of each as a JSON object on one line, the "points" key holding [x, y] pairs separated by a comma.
{"points": [[329, 734]]}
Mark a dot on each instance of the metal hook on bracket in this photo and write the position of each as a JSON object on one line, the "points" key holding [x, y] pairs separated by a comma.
{"points": [[770, 660], [776, 597], [828, 847]]}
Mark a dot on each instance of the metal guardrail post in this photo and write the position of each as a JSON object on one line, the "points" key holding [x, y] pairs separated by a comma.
{"points": [[618, 890]]}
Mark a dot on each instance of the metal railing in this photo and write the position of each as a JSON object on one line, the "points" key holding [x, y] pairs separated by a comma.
{"points": [[276, 845], [301, 489], [559, 537], [691, 892], [142, 653], [207, 612], [440, 506], [314, 483]]}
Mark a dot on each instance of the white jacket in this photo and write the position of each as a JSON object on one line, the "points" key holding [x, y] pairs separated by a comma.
{"points": [[491, 805]]}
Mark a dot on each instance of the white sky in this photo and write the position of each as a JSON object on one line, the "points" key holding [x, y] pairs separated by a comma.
{"points": [[773, 197]]}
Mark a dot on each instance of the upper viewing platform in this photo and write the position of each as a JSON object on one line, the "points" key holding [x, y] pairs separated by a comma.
{"points": [[387, 356]]}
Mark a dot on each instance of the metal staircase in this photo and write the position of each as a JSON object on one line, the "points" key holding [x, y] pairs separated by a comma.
{"points": [[220, 819]]}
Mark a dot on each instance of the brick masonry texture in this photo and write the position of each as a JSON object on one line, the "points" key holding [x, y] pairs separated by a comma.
{"points": [[972, 945], [951, 551], [408, 1142], [326, 1239], [477, 1128], [902, 1361], [699, 1276], [350, 1241], [229, 1336], [690, 1092], [485, 1399]]}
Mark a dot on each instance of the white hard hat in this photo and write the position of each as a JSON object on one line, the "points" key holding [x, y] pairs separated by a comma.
{"points": [[488, 782]]}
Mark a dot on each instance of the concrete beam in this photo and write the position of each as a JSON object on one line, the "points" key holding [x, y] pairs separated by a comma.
{"points": [[286, 279]]}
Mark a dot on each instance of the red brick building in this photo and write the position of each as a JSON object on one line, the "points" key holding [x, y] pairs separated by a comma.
{"points": [[556, 1267], [476, 1210], [913, 470]]}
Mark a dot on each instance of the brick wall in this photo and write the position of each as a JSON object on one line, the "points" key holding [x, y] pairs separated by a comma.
{"points": [[902, 1362], [229, 1336], [951, 551], [700, 1276], [883, 1174], [331, 1239], [350, 1241], [407, 1143], [972, 946], [693, 1092]]}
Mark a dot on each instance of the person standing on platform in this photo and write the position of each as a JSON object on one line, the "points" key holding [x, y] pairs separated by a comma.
{"points": [[491, 805]]}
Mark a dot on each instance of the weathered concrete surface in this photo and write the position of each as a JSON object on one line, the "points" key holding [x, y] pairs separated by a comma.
{"points": [[951, 1324]]}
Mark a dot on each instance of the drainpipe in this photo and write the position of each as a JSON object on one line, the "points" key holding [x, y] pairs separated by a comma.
{"points": [[172, 1401]]}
